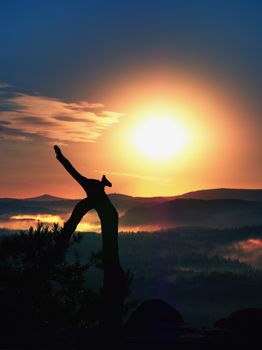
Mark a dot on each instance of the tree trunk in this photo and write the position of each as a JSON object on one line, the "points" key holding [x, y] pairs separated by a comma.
{"points": [[114, 276], [114, 282]]}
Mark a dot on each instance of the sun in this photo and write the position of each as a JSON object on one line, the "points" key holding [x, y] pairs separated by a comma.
{"points": [[160, 138]]}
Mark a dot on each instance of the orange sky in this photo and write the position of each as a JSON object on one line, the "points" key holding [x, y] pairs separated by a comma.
{"points": [[221, 149], [99, 74]]}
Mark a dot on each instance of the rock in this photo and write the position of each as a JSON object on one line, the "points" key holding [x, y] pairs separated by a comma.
{"points": [[152, 315], [244, 320]]}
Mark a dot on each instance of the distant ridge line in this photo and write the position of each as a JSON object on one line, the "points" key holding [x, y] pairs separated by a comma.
{"points": [[214, 193]]}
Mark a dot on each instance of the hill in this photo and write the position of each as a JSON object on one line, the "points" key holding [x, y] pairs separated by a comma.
{"points": [[45, 198], [215, 207], [225, 193], [195, 212]]}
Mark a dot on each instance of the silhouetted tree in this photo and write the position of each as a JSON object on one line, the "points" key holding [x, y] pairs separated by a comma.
{"points": [[37, 299], [115, 280], [35, 296]]}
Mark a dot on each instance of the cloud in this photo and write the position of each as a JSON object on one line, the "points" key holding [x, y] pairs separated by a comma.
{"points": [[136, 176], [248, 250], [45, 218], [4, 85], [26, 116], [7, 133], [4, 218]]}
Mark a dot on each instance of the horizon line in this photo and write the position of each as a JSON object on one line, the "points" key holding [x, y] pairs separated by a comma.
{"points": [[139, 196]]}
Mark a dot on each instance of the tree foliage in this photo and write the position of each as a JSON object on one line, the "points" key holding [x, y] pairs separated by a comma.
{"points": [[34, 295]]}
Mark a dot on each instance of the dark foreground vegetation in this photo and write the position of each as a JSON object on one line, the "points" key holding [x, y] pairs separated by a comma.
{"points": [[45, 305], [188, 284]]}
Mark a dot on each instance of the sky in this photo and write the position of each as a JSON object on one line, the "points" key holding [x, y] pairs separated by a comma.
{"points": [[163, 97]]}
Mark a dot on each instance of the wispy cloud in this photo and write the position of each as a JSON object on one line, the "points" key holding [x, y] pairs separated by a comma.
{"points": [[10, 134], [24, 116], [136, 176], [4, 85]]}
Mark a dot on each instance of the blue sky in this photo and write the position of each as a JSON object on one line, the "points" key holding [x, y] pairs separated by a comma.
{"points": [[57, 46]]}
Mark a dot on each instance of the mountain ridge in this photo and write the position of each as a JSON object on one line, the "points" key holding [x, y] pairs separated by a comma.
{"points": [[44, 198], [214, 208], [212, 193], [195, 212]]}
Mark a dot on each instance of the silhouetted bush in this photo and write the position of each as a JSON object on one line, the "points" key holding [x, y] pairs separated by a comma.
{"points": [[39, 298], [35, 295]]}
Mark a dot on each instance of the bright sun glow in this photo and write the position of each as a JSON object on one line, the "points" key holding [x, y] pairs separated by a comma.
{"points": [[160, 138]]}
